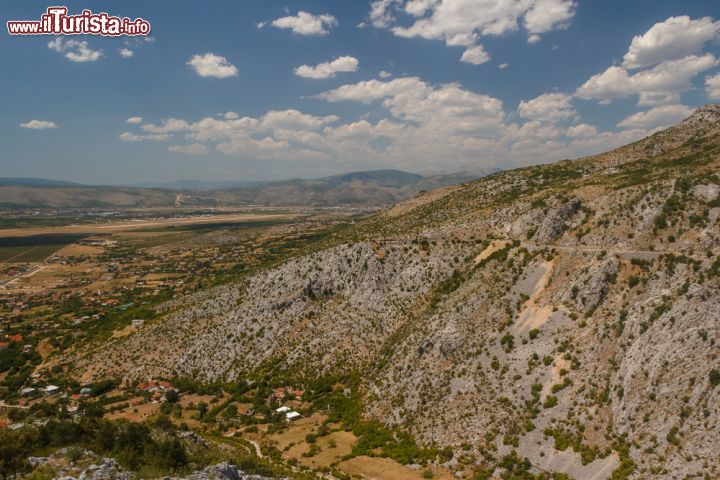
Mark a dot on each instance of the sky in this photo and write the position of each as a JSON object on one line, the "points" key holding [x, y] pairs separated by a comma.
{"points": [[267, 90]]}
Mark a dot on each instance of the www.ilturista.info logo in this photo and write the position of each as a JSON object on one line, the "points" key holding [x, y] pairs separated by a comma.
{"points": [[56, 21]]}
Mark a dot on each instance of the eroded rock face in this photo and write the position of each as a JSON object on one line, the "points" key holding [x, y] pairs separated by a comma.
{"points": [[556, 221], [88, 467], [221, 471], [108, 469], [661, 384], [706, 192], [340, 304], [591, 287]]}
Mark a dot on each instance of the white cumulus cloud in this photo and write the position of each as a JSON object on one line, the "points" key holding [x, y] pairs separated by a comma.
{"points": [[328, 69], [548, 107], [132, 137], [134, 120], [74, 50], [712, 87], [661, 116], [676, 37], [417, 8], [475, 54], [582, 130], [408, 123], [39, 124], [547, 15], [126, 52], [464, 22], [293, 119], [305, 23], [191, 149], [661, 84], [211, 65]]}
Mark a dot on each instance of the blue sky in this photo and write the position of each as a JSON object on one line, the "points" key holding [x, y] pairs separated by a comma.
{"points": [[246, 90]]}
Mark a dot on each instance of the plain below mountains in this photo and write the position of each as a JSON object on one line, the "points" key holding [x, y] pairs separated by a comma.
{"points": [[359, 189]]}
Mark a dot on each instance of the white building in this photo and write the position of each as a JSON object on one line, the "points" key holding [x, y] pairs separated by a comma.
{"points": [[51, 390], [292, 416], [282, 410]]}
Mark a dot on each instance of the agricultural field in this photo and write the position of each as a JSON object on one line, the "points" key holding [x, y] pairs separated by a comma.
{"points": [[32, 249]]}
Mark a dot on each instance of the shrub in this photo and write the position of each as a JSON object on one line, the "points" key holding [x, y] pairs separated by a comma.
{"points": [[714, 377]]}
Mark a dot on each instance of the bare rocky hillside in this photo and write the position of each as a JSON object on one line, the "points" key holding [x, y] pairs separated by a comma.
{"points": [[570, 312]]}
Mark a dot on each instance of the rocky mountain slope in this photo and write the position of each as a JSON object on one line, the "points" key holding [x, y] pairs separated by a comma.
{"points": [[85, 465], [570, 312]]}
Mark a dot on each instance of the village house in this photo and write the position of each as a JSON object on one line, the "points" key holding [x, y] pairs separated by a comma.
{"points": [[26, 392], [284, 392], [153, 386], [51, 390], [292, 416]]}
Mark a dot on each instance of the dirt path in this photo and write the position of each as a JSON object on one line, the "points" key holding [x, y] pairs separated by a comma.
{"points": [[44, 348], [531, 315], [19, 254], [258, 452], [490, 249], [32, 272], [641, 254], [560, 363]]}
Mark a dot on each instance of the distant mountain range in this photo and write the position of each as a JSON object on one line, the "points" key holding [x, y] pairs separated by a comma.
{"points": [[35, 182], [371, 188], [189, 184]]}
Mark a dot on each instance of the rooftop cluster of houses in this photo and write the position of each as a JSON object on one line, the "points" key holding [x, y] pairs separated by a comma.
{"points": [[286, 392], [16, 338], [47, 390], [158, 389]]}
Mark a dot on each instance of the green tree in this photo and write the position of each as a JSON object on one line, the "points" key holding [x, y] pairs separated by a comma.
{"points": [[172, 396], [15, 447], [714, 377], [172, 454]]}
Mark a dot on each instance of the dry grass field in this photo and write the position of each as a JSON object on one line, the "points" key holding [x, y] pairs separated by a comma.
{"points": [[333, 448], [138, 413], [130, 225], [376, 468], [297, 431]]}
